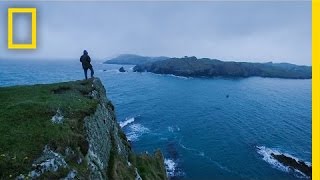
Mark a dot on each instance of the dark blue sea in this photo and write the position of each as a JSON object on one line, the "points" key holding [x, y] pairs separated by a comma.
{"points": [[218, 128]]}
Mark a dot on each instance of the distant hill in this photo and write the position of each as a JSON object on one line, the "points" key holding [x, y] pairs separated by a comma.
{"points": [[133, 59], [193, 67]]}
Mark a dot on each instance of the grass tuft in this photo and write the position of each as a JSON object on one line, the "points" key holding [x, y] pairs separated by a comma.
{"points": [[26, 127]]}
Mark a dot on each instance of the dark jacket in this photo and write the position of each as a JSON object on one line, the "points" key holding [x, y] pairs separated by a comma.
{"points": [[85, 60]]}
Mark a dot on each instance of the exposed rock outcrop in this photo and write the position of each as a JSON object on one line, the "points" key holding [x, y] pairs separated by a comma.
{"points": [[122, 69], [293, 163]]}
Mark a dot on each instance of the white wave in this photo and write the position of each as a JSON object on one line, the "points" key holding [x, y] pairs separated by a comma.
{"points": [[169, 75], [170, 167], [126, 122], [181, 77], [266, 154], [135, 131]]}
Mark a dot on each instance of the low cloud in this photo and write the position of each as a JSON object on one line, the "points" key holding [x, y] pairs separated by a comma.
{"points": [[240, 31]]}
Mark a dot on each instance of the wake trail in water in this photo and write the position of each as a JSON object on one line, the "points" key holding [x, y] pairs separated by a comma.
{"points": [[202, 154]]}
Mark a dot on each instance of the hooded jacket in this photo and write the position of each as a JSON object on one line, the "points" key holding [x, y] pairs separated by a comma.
{"points": [[85, 60]]}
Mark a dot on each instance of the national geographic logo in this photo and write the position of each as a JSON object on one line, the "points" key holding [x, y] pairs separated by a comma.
{"points": [[11, 43]]}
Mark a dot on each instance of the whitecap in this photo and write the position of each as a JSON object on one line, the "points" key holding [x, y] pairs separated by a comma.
{"points": [[170, 167], [169, 75], [266, 156], [176, 76], [126, 122], [135, 131]]}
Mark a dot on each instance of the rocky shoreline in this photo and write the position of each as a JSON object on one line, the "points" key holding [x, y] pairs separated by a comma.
{"points": [[194, 67]]}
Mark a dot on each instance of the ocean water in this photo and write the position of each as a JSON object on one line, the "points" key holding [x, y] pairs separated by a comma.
{"points": [[206, 128]]}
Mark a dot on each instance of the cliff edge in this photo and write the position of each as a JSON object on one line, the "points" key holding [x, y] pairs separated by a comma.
{"points": [[67, 131]]}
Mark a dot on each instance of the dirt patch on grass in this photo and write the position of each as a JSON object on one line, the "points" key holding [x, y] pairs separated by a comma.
{"points": [[61, 89]]}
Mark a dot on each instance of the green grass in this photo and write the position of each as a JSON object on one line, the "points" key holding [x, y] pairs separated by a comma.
{"points": [[26, 127], [117, 166], [150, 166]]}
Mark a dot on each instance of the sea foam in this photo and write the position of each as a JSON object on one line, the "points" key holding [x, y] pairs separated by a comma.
{"points": [[126, 122], [135, 131], [266, 156], [170, 167]]}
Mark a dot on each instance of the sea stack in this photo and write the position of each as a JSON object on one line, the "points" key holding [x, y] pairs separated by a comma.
{"points": [[122, 69]]}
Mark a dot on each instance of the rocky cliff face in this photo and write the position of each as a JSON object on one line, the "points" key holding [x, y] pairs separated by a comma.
{"points": [[102, 134], [87, 142]]}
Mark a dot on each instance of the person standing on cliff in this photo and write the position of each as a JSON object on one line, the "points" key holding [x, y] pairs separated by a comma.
{"points": [[85, 60]]}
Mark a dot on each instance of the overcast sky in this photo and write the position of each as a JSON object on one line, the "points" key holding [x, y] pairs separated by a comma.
{"points": [[239, 31]]}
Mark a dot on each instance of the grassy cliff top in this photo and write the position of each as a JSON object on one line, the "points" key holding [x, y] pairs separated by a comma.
{"points": [[26, 121]]}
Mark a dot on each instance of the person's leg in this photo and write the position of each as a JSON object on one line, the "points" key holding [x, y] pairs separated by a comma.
{"points": [[92, 72], [85, 73]]}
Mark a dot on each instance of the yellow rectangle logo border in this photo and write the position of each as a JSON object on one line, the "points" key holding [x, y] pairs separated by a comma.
{"points": [[33, 12], [315, 89]]}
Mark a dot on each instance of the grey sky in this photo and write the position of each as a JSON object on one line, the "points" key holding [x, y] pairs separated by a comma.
{"points": [[240, 31]]}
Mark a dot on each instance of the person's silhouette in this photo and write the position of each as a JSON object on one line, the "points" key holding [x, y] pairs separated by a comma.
{"points": [[85, 60]]}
